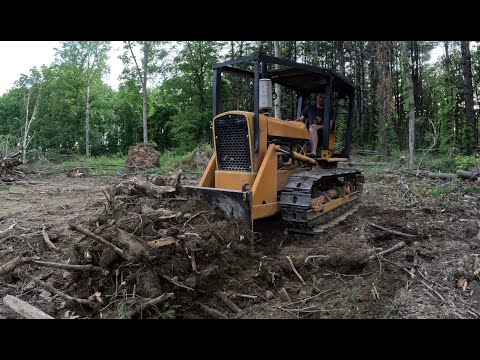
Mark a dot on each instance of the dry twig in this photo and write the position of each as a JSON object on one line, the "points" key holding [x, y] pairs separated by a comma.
{"points": [[295, 271], [391, 231], [67, 266], [157, 301], [47, 240], [97, 238], [58, 292], [396, 247]]}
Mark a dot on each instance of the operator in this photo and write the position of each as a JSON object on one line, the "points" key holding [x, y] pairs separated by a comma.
{"points": [[313, 115]]}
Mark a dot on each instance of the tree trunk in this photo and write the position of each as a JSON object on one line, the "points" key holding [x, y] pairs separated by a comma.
{"points": [[416, 77], [87, 112], [357, 85], [28, 122], [384, 92], [278, 89], [25, 130], [341, 58], [362, 89], [146, 47], [450, 91], [468, 91], [407, 48], [374, 83]]}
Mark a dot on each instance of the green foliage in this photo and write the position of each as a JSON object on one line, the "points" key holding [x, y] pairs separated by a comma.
{"points": [[466, 138], [448, 163], [389, 311], [160, 125], [355, 293], [169, 314], [438, 191], [191, 127], [4, 187], [123, 311], [441, 163], [170, 160], [465, 162]]}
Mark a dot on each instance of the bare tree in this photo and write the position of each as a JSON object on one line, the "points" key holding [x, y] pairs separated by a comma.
{"points": [[32, 86], [28, 121]]}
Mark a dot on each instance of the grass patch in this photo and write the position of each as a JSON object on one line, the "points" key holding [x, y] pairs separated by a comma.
{"points": [[98, 165], [170, 161], [436, 190], [374, 169], [4, 187]]}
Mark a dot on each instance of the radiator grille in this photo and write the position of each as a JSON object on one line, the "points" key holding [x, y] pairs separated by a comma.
{"points": [[232, 143]]}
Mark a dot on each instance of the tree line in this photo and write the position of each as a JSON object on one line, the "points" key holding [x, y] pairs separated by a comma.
{"points": [[404, 100]]}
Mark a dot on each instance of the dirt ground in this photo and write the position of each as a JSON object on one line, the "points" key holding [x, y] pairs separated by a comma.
{"points": [[209, 267]]}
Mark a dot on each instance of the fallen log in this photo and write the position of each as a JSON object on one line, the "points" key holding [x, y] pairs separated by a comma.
{"points": [[433, 175], [25, 309], [468, 175], [136, 246], [152, 189]]}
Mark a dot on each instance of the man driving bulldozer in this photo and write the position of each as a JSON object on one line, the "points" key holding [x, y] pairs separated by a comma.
{"points": [[313, 115]]}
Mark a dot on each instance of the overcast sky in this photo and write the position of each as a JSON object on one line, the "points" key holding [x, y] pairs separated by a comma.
{"points": [[18, 57]]}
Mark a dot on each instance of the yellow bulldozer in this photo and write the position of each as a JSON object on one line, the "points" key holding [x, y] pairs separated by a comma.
{"points": [[260, 166]]}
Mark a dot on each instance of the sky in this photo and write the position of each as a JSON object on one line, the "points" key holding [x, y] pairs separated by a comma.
{"points": [[18, 57]]}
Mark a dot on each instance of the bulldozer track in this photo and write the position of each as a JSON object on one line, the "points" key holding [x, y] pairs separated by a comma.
{"points": [[296, 197]]}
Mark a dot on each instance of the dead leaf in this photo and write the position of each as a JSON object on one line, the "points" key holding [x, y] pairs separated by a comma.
{"points": [[462, 284], [476, 265], [96, 296], [162, 242], [164, 214]]}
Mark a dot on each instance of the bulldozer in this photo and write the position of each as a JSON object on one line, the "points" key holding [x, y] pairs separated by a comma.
{"points": [[260, 168]]}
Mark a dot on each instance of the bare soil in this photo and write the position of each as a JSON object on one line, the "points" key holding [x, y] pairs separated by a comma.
{"points": [[436, 275]]}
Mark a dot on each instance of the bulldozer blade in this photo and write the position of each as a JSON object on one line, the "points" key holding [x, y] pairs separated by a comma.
{"points": [[235, 204]]}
